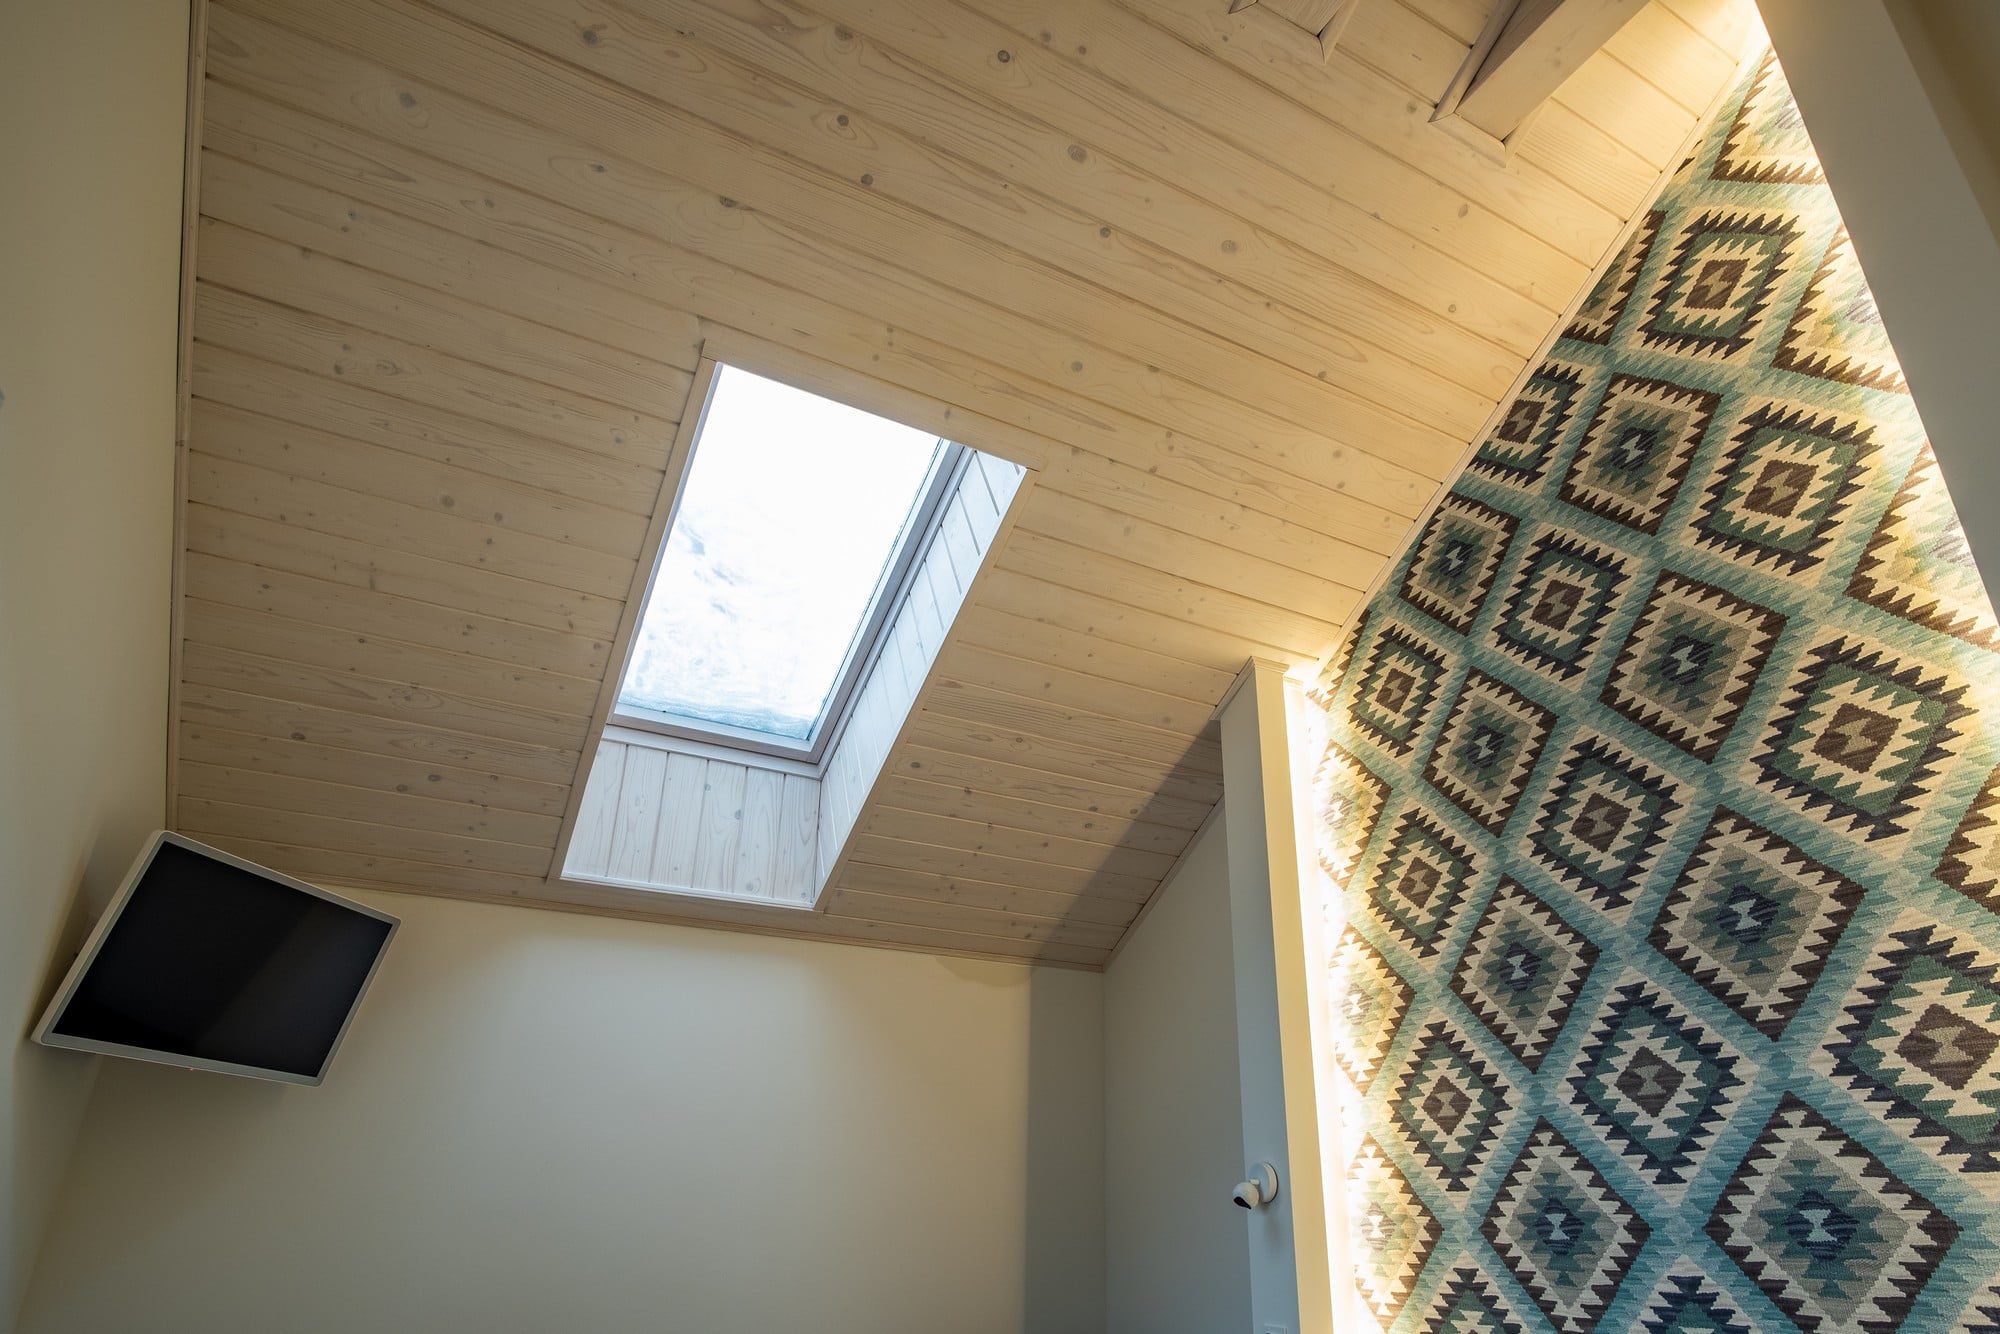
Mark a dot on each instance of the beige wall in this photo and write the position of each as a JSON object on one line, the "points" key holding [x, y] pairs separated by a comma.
{"points": [[1177, 1259], [91, 110], [1952, 46], [542, 1121], [1900, 100]]}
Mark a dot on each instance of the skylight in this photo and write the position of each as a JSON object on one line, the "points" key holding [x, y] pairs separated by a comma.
{"points": [[796, 520]]}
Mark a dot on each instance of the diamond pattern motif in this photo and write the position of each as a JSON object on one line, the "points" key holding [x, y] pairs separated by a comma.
{"points": [[1693, 657], [1566, 1235], [1488, 748], [1753, 919], [1447, 1106], [1921, 1043], [1638, 449], [1917, 564], [1369, 999], [1533, 428], [1861, 735], [1601, 828], [1522, 971], [1656, 1082], [1555, 613], [1788, 480], [1416, 885], [1832, 1237], [1389, 1231], [1397, 688], [1454, 561], [1713, 297], [1679, 832]]}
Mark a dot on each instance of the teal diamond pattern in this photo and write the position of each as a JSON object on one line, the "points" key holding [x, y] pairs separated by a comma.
{"points": [[1534, 427], [1397, 688], [1521, 972], [1484, 754], [1448, 1106], [1656, 1082], [1688, 667], [1712, 300], [1638, 449], [1661, 808], [1790, 478], [1602, 826], [1753, 920], [1420, 879], [1832, 1236], [1556, 610], [1921, 1044], [1861, 736], [1568, 1237], [1453, 564]]}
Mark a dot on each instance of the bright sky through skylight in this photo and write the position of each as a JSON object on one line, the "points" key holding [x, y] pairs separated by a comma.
{"points": [[789, 518]]}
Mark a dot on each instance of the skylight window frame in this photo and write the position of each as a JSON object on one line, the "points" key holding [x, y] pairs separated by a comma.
{"points": [[869, 641]]}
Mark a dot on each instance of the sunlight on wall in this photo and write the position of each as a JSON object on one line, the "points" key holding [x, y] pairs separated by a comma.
{"points": [[1655, 820], [1331, 989]]}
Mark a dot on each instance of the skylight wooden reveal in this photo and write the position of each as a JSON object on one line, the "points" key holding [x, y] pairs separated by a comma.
{"points": [[670, 815], [661, 814], [945, 576]]}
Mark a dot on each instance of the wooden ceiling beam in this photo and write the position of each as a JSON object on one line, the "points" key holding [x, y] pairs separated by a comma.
{"points": [[1527, 50], [1323, 20]]}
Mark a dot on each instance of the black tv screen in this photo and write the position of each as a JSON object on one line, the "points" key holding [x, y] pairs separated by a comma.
{"points": [[207, 960]]}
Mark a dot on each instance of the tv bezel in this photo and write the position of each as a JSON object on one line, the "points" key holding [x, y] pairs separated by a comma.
{"points": [[46, 1035]]}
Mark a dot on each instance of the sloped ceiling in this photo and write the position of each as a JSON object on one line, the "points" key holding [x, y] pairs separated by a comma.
{"points": [[1238, 301]]}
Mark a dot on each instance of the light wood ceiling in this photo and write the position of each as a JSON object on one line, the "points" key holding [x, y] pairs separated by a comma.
{"points": [[1240, 302]]}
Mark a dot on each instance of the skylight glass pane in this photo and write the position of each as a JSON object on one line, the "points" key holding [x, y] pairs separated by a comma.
{"points": [[793, 511]]}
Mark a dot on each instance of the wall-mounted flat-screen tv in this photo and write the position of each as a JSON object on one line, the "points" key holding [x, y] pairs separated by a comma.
{"points": [[211, 962]]}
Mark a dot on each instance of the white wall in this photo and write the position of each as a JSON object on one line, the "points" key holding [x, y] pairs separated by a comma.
{"points": [[1899, 98], [543, 1121], [1177, 1254], [91, 112]]}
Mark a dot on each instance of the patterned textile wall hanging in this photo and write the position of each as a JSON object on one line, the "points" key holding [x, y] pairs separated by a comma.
{"points": [[1661, 801]]}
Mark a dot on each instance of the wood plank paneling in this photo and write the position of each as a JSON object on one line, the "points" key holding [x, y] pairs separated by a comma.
{"points": [[1237, 299], [291, 755], [277, 544], [251, 587], [898, 883], [472, 452], [1004, 782], [264, 699], [952, 560], [256, 440], [662, 818], [826, 235], [546, 746], [967, 803], [284, 498]]}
